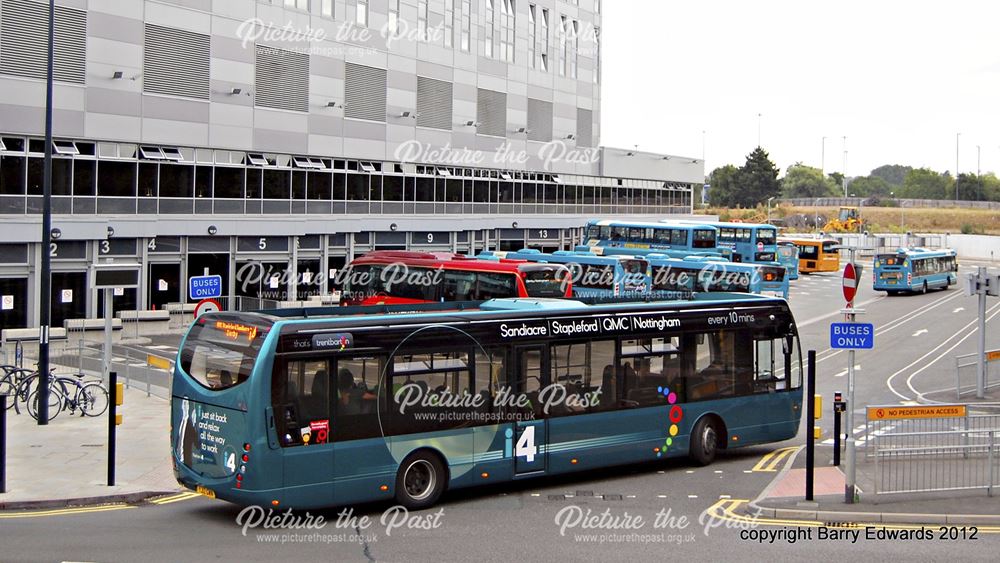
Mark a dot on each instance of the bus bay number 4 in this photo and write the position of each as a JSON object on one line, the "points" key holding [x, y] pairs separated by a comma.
{"points": [[526, 445]]}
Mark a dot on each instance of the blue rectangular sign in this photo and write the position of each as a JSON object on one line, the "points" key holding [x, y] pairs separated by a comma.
{"points": [[205, 287], [852, 336]]}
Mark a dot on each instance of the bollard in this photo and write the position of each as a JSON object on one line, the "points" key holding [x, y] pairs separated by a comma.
{"points": [[810, 416], [3, 443], [112, 419], [839, 406]]}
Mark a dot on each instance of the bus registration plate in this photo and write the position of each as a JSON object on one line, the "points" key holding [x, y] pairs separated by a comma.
{"points": [[205, 491]]}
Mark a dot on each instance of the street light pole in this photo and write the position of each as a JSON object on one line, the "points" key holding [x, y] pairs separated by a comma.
{"points": [[822, 158], [45, 290], [769, 210], [957, 136], [979, 175], [843, 179], [758, 129]]}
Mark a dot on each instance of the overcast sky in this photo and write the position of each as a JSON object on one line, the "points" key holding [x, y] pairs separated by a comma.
{"points": [[898, 78]]}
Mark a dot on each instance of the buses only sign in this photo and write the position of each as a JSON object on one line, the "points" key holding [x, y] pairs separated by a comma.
{"points": [[852, 336]]}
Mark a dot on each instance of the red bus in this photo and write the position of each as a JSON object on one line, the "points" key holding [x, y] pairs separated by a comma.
{"points": [[401, 277]]}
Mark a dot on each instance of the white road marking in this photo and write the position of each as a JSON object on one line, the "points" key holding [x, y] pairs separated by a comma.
{"points": [[959, 310], [921, 331], [857, 367]]}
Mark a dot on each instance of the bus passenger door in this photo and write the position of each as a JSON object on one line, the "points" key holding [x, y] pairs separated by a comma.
{"points": [[530, 433], [301, 397]]}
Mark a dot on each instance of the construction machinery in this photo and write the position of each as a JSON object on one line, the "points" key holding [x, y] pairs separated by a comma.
{"points": [[848, 220]]}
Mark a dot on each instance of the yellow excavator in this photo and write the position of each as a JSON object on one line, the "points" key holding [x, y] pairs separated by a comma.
{"points": [[847, 221]]}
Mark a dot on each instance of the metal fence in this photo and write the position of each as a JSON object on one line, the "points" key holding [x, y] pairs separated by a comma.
{"points": [[920, 462], [966, 371], [877, 431], [912, 203], [135, 367]]}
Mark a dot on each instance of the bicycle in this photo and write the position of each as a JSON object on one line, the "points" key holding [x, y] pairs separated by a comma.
{"points": [[16, 383], [71, 393]]}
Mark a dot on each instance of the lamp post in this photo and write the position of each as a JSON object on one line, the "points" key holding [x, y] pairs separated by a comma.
{"points": [[957, 137], [979, 176], [45, 290], [843, 180], [769, 209], [822, 158], [899, 202], [759, 115]]}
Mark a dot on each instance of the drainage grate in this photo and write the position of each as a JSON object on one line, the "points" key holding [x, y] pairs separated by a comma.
{"points": [[585, 493], [557, 497], [611, 497]]}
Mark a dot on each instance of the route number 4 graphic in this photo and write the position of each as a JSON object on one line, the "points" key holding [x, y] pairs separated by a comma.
{"points": [[526, 445], [231, 462]]}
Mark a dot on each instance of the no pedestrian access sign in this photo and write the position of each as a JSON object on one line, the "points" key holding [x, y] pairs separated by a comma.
{"points": [[922, 411]]}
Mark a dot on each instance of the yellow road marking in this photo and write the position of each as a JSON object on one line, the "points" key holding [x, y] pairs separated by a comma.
{"points": [[174, 498], [771, 461], [64, 511], [725, 510]]}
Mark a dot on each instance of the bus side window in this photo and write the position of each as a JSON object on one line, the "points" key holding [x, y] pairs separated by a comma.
{"points": [[355, 395]]}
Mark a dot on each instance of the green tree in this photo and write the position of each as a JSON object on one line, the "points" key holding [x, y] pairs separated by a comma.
{"points": [[924, 183], [991, 187], [723, 186], [894, 174], [838, 181], [806, 181], [868, 186], [977, 188], [758, 179]]}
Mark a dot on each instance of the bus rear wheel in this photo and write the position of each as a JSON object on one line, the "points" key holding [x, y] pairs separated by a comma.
{"points": [[923, 288], [704, 442], [420, 481]]}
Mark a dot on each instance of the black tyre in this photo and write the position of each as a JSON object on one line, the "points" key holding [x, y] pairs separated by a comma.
{"points": [[420, 481], [891, 292], [7, 388], [92, 399], [704, 442], [55, 403], [923, 288]]}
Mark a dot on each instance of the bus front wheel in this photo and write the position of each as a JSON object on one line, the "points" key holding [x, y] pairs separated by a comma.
{"points": [[420, 481], [704, 442]]}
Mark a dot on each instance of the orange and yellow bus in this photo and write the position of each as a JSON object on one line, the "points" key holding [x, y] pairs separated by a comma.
{"points": [[816, 254]]}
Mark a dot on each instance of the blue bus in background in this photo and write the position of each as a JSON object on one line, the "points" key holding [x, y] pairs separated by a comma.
{"points": [[676, 241], [915, 270], [318, 407], [788, 256], [702, 274], [749, 242], [592, 275]]}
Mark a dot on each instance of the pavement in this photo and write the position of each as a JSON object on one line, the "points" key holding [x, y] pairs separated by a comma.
{"points": [[784, 498], [66, 462]]}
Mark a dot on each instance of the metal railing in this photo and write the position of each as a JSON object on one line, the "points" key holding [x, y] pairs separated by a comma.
{"points": [[876, 430], [966, 372], [955, 460], [87, 358]]}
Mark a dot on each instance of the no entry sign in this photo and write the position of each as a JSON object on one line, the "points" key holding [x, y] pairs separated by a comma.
{"points": [[852, 277]]}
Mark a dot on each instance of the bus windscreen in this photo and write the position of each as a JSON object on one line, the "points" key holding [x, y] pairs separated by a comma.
{"points": [[220, 350], [545, 280]]}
